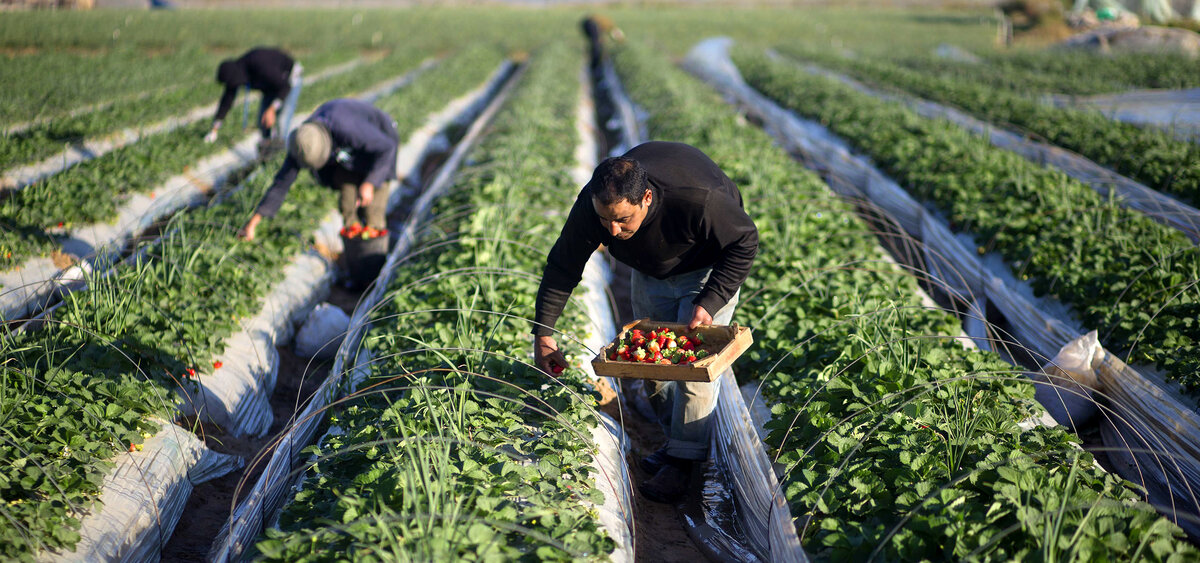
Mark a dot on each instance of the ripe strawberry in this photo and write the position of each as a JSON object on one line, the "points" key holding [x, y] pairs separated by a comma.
{"points": [[217, 364], [191, 372], [557, 369]]}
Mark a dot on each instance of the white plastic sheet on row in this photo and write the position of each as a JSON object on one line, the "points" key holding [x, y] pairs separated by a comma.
{"points": [[350, 366], [762, 512], [609, 469], [143, 502], [24, 289], [1165, 422], [1175, 111], [144, 496], [23, 176], [237, 396], [1134, 195]]}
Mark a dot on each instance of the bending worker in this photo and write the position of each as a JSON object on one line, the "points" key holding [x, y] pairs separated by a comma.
{"points": [[348, 145], [597, 28], [677, 220], [269, 71]]}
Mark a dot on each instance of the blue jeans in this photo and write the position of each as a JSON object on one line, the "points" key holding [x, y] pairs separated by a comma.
{"points": [[684, 408]]}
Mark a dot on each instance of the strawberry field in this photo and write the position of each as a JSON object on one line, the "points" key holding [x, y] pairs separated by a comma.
{"points": [[155, 403]]}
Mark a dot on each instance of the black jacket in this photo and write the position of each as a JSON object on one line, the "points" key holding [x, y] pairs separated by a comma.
{"points": [[365, 143], [696, 220], [265, 70]]}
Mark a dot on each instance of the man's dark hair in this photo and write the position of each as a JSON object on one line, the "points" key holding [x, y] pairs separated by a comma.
{"points": [[618, 178], [230, 73]]}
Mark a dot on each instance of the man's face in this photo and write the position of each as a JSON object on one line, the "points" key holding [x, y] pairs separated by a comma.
{"points": [[622, 219]]}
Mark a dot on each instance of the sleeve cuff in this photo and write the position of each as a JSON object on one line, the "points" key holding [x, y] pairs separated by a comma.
{"points": [[710, 301]]}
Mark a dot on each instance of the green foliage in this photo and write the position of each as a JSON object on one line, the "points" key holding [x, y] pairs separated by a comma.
{"points": [[1153, 157], [1135, 283], [455, 447], [120, 349], [897, 442]]}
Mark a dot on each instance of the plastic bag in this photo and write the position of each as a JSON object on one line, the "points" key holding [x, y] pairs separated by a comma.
{"points": [[322, 332], [1065, 385]]}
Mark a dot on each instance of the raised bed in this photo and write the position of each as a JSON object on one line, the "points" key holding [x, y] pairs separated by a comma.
{"points": [[868, 387]]}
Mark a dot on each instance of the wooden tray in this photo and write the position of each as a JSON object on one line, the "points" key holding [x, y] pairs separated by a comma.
{"points": [[725, 342]]}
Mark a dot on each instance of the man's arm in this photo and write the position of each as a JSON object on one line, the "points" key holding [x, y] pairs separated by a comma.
{"points": [[731, 228], [223, 106], [275, 195], [580, 237]]}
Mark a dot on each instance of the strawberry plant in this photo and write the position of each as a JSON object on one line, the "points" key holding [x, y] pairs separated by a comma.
{"points": [[455, 446], [897, 442], [1153, 157], [119, 351], [1135, 284]]}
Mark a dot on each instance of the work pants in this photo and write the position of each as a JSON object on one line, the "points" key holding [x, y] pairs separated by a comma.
{"points": [[373, 215], [684, 408]]}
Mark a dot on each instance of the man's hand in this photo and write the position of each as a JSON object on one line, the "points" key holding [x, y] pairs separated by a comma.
{"points": [[211, 136], [246, 233], [366, 194], [699, 317], [268, 117], [547, 357]]}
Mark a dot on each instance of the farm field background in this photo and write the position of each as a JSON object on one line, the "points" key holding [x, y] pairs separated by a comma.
{"points": [[915, 282]]}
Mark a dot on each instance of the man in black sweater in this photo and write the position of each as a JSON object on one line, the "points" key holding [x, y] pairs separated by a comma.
{"points": [[269, 71], [671, 214], [348, 145]]}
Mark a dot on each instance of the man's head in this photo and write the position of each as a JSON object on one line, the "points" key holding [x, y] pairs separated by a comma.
{"points": [[620, 195], [231, 74], [310, 145]]}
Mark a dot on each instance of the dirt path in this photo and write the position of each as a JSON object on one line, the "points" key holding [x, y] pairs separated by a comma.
{"points": [[211, 503]]}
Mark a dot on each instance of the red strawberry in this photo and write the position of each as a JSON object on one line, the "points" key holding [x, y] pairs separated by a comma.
{"points": [[217, 364], [191, 372], [557, 369]]}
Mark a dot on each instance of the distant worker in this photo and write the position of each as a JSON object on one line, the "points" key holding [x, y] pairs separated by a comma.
{"points": [[348, 145], [598, 29], [269, 71], [670, 213]]}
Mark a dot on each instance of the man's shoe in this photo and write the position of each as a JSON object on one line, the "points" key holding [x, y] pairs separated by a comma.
{"points": [[669, 484], [655, 461]]}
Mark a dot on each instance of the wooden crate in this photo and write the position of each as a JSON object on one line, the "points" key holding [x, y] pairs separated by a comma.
{"points": [[725, 342]]}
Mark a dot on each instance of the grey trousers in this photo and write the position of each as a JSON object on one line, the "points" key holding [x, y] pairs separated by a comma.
{"points": [[684, 408]]}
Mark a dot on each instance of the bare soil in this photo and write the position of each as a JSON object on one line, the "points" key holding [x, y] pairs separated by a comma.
{"points": [[211, 503], [659, 534]]}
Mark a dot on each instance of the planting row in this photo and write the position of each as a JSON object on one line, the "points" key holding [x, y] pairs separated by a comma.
{"points": [[1155, 158], [187, 102], [35, 217], [46, 84], [137, 342], [1064, 72], [454, 445], [1133, 283], [896, 440]]}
